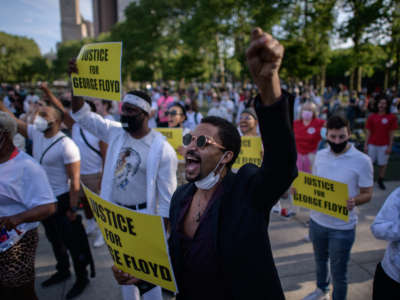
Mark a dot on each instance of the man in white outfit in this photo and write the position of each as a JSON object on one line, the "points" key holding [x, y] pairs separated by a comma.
{"points": [[140, 166]]}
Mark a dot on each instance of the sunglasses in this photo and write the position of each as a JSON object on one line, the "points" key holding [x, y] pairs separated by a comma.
{"points": [[201, 141], [246, 118], [172, 113]]}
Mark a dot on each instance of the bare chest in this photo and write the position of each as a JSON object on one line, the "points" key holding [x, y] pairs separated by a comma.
{"points": [[193, 216]]}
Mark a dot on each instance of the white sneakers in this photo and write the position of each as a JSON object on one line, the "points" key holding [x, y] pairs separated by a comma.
{"points": [[277, 208], [318, 294], [91, 226], [99, 241]]}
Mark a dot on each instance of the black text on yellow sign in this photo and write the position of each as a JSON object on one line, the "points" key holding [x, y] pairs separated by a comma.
{"points": [[174, 137], [99, 67], [136, 241], [250, 152], [321, 194]]}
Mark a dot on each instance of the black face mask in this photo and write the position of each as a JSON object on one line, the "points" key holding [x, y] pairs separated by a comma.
{"points": [[338, 148], [132, 123]]}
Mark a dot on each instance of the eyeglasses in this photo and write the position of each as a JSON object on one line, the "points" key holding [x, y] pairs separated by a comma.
{"points": [[173, 113], [201, 141]]}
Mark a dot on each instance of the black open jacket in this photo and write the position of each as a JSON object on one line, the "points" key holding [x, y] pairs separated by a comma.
{"points": [[242, 218]]}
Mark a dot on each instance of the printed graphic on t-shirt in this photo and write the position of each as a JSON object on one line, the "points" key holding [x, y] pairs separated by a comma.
{"points": [[384, 121], [311, 130], [128, 164]]}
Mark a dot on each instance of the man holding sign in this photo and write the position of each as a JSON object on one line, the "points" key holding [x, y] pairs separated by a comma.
{"points": [[140, 166], [219, 220], [332, 237]]}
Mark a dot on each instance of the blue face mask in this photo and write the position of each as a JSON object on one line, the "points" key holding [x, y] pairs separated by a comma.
{"points": [[323, 133]]}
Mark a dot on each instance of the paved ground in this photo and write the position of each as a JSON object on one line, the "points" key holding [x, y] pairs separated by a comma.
{"points": [[293, 257]]}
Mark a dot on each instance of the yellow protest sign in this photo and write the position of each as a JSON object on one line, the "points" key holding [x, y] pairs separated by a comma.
{"points": [[136, 241], [250, 152], [174, 137], [99, 67], [321, 194]]}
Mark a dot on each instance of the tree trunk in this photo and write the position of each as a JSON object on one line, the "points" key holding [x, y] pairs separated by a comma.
{"points": [[323, 79], [397, 76], [351, 83], [359, 79], [386, 79]]}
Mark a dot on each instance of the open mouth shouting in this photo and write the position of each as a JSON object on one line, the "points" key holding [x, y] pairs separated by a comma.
{"points": [[192, 163]]}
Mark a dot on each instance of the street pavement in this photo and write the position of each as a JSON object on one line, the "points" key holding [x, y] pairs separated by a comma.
{"points": [[293, 257]]}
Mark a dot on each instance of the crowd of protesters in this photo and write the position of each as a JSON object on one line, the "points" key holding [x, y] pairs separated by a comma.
{"points": [[68, 139]]}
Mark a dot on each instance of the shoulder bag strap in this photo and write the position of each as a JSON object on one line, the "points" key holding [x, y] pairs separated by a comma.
{"points": [[48, 148], [87, 143]]}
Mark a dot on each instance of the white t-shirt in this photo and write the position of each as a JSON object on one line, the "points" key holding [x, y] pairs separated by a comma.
{"points": [[152, 120], [23, 185], [220, 111], [193, 119], [60, 154], [230, 107], [353, 168], [91, 162], [129, 183], [109, 117], [7, 103]]}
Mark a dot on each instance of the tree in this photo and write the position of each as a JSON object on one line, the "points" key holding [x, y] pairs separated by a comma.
{"points": [[360, 28], [65, 52], [308, 26], [36, 69], [15, 52]]}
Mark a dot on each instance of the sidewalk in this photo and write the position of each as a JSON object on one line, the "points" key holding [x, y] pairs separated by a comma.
{"points": [[293, 257]]}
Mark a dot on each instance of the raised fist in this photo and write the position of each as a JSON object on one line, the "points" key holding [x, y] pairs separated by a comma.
{"points": [[264, 57]]}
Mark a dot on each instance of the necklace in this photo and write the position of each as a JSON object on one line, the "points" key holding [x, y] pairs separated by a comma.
{"points": [[198, 215]]}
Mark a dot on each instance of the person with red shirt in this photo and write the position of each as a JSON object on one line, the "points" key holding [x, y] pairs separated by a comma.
{"points": [[380, 129], [307, 135]]}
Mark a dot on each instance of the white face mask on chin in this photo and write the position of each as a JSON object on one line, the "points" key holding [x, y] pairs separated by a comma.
{"points": [[211, 179]]}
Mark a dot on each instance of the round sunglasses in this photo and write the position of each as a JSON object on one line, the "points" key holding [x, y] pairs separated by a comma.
{"points": [[201, 141]]}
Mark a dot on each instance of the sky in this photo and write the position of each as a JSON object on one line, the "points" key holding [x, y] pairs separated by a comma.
{"points": [[38, 20]]}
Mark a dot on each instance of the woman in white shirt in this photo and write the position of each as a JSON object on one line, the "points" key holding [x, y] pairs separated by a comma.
{"points": [[25, 198]]}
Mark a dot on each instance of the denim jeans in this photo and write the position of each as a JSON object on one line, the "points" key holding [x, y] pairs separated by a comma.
{"points": [[332, 251]]}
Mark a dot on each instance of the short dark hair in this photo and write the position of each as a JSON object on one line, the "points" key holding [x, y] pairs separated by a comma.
{"points": [[378, 99], [92, 106], [107, 104], [337, 122], [228, 135], [181, 107], [59, 114]]}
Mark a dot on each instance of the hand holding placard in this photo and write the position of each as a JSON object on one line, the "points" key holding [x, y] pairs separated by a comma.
{"points": [[97, 71]]}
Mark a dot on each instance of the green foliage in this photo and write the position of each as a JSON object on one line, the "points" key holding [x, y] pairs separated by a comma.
{"points": [[191, 39], [203, 40], [16, 53], [66, 51], [36, 69]]}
